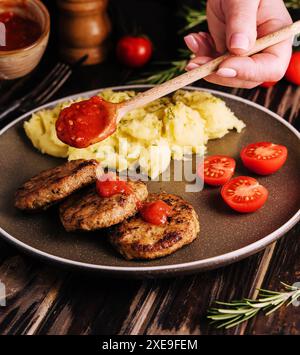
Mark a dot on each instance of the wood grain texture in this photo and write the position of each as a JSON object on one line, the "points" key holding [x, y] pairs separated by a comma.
{"points": [[180, 304], [90, 305], [28, 285]]}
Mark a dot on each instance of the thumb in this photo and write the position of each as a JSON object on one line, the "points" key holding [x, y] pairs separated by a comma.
{"points": [[241, 24]]}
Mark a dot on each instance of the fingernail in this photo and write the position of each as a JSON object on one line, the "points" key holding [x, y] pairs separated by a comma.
{"points": [[227, 73], [192, 66], [191, 43], [239, 41]]}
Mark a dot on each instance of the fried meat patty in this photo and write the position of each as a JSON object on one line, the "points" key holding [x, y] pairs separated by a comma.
{"points": [[137, 239], [53, 185], [89, 211]]}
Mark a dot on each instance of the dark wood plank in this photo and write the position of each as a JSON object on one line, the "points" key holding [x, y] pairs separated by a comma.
{"points": [[31, 288], [44, 303], [90, 305], [179, 306], [285, 267]]}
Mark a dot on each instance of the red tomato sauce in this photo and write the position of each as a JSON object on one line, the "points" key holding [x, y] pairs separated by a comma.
{"points": [[109, 187], [20, 31], [80, 124], [156, 212]]}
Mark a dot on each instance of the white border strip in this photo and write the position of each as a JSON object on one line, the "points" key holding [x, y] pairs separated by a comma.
{"points": [[205, 263]]}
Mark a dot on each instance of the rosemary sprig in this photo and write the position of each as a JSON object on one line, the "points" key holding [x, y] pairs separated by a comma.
{"points": [[174, 68], [193, 17], [168, 70], [236, 312]]}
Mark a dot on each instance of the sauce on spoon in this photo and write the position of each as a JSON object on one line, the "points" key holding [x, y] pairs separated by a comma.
{"points": [[85, 123]]}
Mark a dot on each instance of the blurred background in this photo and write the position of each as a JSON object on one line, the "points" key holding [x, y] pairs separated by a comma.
{"points": [[164, 22]]}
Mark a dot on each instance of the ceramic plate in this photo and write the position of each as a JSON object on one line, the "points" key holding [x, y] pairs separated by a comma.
{"points": [[225, 236]]}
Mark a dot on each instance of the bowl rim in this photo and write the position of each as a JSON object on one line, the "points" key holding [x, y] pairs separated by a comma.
{"points": [[43, 35]]}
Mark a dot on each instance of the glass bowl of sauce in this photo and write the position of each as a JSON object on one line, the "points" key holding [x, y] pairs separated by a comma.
{"points": [[24, 34]]}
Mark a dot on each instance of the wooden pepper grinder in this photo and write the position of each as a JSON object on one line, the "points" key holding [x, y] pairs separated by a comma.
{"points": [[83, 27]]}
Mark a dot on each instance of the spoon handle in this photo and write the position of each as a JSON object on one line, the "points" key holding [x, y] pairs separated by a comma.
{"points": [[203, 71]]}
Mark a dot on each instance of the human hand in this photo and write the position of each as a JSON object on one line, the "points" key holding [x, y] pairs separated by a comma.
{"points": [[234, 26]]}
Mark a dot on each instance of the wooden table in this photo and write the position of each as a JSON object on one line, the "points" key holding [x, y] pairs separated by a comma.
{"points": [[44, 299]]}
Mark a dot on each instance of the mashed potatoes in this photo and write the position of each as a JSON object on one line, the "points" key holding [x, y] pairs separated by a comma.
{"points": [[147, 137]]}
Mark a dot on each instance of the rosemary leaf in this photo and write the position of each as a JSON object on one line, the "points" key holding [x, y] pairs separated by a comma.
{"points": [[221, 316], [239, 321], [274, 308], [172, 69], [193, 17]]}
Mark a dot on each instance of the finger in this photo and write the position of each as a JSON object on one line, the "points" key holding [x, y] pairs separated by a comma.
{"points": [[214, 78], [260, 67], [269, 65], [231, 82], [200, 44], [241, 23], [216, 27]]}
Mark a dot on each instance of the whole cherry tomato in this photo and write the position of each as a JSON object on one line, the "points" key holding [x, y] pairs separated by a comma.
{"points": [[134, 52], [293, 72]]}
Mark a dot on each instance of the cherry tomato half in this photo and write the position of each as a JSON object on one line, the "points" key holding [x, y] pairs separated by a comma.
{"points": [[156, 212], [293, 71], [216, 170], [134, 52], [244, 194], [264, 158]]}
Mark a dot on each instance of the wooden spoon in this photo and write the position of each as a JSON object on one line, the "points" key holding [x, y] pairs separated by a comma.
{"points": [[113, 113]]}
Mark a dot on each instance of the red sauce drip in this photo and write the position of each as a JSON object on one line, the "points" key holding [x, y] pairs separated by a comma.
{"points": [[156, 212], [20, 31], [109, 187], [80, 124]]}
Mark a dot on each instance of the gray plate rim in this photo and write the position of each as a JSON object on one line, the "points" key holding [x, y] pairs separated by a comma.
{"points": [[216, 261]]}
